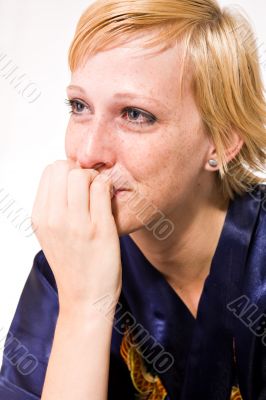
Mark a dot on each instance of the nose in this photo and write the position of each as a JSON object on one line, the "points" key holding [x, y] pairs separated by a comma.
{"points": [[95, 149]]}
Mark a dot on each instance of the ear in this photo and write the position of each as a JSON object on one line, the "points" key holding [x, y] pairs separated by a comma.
{"points": [[231, 152]]}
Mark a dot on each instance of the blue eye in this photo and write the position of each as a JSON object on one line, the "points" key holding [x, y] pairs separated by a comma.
{"points": [[76, 106], [135, 113]]}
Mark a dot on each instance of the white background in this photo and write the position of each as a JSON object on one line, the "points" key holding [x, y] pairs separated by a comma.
{"points": [[36, 35]]}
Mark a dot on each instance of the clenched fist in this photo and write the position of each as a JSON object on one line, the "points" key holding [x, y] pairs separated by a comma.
{"points": [[75, 227]]}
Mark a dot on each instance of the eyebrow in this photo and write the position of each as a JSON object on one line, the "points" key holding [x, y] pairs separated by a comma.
{"points": [[123, 94]]}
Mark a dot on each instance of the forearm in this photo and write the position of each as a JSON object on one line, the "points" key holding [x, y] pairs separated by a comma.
{"points": [[78, 367]]}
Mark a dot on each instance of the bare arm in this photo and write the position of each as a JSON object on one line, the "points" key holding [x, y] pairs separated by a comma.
{"points": [[79, 362]]}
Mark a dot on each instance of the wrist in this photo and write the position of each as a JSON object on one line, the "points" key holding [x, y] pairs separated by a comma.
{"points": [[102, 308], [105, 303]]}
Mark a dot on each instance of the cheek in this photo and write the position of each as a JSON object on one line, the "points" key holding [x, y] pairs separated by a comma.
{"points": [[170, 165], [149, 164], [155, 160]]}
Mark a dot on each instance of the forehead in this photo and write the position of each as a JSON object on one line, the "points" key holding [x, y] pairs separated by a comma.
{"points": [[130, 67]]}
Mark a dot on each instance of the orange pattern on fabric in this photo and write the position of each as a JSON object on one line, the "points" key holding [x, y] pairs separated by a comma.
{"points": [[236, 395], [149, 386]]}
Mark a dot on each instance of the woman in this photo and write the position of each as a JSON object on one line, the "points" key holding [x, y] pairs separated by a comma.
{"points": [[151, 281]]}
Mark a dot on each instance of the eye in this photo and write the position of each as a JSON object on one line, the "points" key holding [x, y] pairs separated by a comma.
{"points": [[133, 115], [76, 106]]}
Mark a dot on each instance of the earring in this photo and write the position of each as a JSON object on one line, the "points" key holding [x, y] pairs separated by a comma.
{"points": [[213, 163]]}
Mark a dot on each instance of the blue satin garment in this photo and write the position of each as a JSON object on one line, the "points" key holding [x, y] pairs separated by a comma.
{"points": [[205, 365]]}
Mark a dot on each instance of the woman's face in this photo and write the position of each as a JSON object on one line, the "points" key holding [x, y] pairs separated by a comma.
{"points": [[129, 122]]}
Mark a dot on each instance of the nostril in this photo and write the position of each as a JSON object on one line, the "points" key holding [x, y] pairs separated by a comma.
{"points": [[97, 165]]}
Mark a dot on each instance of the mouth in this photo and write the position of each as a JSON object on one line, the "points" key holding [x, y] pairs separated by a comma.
{"points": [[118, 192]]}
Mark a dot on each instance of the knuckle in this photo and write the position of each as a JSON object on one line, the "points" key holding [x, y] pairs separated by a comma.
{"points": [[60, 163], [82, 174], [101, 183], [91, 173], [78, 232], [34, 221], [75, 173], [54, 222], [47, 170]]}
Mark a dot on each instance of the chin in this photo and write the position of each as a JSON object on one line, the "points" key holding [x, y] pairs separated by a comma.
{"points": [[125, 221], [127, 226], [128, 219]]}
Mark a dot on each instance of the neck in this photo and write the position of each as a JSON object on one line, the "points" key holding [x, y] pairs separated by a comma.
{"points": [[184, 258]]}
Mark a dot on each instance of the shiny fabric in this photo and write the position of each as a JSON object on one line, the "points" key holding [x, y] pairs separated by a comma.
{"points": [[232, 310]]}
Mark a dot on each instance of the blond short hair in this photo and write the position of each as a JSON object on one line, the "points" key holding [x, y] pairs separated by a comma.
{"points": [[222, 49]]}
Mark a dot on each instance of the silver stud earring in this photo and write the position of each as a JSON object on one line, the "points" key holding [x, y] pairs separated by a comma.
{"points": [[213, 163]]}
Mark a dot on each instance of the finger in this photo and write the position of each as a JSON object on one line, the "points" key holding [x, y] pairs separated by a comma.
{"points": [[100, 201], [78, 187], [41, 199], [57, 201]]}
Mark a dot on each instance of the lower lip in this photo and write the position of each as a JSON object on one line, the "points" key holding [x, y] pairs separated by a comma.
{"points": [[120, 193]]}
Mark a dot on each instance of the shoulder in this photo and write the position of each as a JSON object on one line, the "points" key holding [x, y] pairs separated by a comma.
{"points": [[258, 201], [252, 206], [258, 192]]}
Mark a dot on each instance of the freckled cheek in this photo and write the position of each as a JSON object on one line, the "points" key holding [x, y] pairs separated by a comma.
{"points": [[142, 164], [149, 173], [164, 170], [155, 165]]}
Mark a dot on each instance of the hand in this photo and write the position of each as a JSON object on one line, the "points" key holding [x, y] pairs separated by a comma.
{"points": [[75, 227]]}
